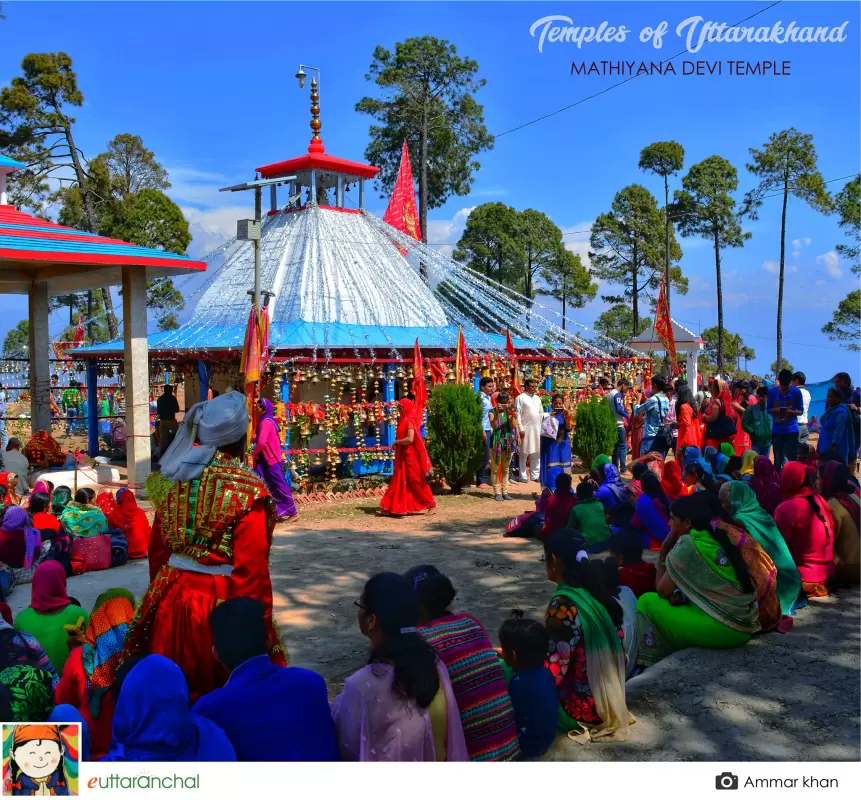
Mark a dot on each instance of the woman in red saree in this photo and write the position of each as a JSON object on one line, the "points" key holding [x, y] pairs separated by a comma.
{"points": [[124, 515], [210, 542], [408, 491]]}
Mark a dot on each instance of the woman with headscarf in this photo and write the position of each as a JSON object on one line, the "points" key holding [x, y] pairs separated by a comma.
{"points": [[153, 720], [268, 459], [49, 611], [611, 490], [81, 519], [210, 542], [766, 484], [705, 596], [584, 653], [740, 394], [91, 669], [672, 483], [556, 451], [124, 515], [20, 545], [60, 498], [18, 647], [686, 420], [9, 480], [807, 525], [845, 504], [748, 459], [652, 513], [720, 416], [29, 693], [694, 456], [408, 491], [739, 501], [42, 450]]}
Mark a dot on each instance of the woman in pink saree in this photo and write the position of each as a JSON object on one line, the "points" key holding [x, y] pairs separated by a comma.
{"points": [[267, 457]]}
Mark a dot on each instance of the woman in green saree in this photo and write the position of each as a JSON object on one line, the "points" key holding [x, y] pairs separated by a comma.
{"points": [[705, 596], [80, 519]]}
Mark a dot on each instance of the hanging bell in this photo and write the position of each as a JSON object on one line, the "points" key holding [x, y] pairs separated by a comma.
{"points": [[315, 378], [316, 461]]}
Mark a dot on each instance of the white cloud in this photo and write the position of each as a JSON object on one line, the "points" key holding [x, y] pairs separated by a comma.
{"points": [[577, 241], [799, 244], [830, 262], [211, 227], [820, 282], [770, 266], [444, 233], [189, 185]]}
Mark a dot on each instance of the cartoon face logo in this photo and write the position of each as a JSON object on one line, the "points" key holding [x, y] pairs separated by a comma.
{"points": [[38, 758]]}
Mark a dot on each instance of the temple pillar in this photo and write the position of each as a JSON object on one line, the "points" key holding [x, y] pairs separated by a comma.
{"points": [[40, 366], [138, 448]]}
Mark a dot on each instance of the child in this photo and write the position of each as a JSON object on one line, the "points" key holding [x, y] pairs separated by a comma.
{"points": [[627, 549], [532, 688], [589, 518]]}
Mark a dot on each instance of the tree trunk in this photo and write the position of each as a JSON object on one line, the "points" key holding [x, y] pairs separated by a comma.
{"points": [[667, 244], [719, 305], [563, 310], [780, 278], [423, 187], [92, 222], [635, 304]]}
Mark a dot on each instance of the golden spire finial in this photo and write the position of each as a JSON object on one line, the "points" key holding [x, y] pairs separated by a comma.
{"points": [[316, 144]]}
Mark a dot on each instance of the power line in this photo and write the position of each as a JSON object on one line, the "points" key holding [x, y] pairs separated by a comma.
{"points": [[767, 338], [621, 83]]}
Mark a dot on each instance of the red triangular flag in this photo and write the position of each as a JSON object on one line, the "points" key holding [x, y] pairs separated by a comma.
{"points": [[419, 389], [515, 381], [402, 213], [664, 327], [461, 360]]}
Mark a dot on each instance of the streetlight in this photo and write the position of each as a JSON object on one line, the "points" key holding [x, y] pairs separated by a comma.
{"points": [[301, 75]]}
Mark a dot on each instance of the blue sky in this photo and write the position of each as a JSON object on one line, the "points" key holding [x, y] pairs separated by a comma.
{"points": [[210, 88]]}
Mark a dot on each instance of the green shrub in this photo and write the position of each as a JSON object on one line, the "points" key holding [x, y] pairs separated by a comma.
{"points": [[594, 431], [455, 440]]}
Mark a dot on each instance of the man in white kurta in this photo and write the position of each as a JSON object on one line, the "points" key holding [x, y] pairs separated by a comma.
{"points": [[530, 412]]}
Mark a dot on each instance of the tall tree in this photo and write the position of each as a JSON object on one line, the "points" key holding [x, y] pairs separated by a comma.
{"points": [[627, 243], [489, 243], [664, 159], [617, 323], [428, 101], [733, 348], [87, 306], [779, 364], [786, 163], [706, 208], [568, 281], [17, 341], [539, 242], [845, 325], [35, 125]]}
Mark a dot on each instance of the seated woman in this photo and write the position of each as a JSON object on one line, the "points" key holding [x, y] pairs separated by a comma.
{"points": [[153, 721], [739, 501], [43, 451], [20, 648], [845, 503], [60, 498], [81, 519], [589, 517], [611, 490], [9, 481], [49, 611], [20, 545], [633, 572], [400, 707], [557, 507], [672, 483], [90, 671], [807, 525], [28, 690], [766, 484], [124, 515], [43, 520], [652, 512], [584, 651], [635, 487], [705, 596], [697, 479], [748, 459], [694, 456], [477, 679]]}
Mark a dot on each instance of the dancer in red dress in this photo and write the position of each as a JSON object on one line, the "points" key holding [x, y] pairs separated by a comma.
{"points": [[408, 492], [210, 542]]}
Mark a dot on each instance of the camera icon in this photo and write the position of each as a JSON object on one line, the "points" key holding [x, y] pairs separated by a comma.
{"points": [[726, 780]]}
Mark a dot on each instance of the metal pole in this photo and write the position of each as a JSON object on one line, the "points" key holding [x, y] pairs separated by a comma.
{"points": [[90, 317], [258, 214]]}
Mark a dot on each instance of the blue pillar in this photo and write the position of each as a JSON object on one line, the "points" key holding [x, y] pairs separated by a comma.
{"points": [[285, 398], [387, 435], [203, 379], [92, 407], [476, 381], [548, 381]]}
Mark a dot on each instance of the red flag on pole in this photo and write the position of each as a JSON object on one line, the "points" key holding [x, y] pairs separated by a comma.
{"points": [[515, 381], [419, 389], [461, 360], [79, 331], [664, 327], [402, 213]]}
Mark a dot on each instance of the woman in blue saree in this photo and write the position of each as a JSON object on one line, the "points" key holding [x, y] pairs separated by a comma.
{"points": [[556, 453]]}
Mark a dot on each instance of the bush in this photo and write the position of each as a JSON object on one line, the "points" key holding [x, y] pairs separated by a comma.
{"points": [[455, 440], [595, 430]]}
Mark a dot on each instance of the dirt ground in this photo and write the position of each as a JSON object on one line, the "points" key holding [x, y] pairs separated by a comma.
{"points": [[778, 698]]}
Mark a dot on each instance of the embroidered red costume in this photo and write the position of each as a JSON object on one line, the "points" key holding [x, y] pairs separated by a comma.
{"points": [[210, 542]]}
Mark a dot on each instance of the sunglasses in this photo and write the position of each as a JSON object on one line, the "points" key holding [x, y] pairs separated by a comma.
{"points": [[358, 604]]}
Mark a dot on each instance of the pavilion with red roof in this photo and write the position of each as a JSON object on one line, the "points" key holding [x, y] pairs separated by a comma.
{"points": [[40, 258]]}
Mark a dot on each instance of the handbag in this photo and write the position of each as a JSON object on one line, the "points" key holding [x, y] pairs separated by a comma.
{"points": [[550, 427], [119, 548], [91, 553], [664, 437], [722, 427]]}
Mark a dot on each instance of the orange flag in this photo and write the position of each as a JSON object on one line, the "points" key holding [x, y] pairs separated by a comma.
{"points": [[402, 213], [461, 359], [515, 381], [419, 389], [664, 327]]}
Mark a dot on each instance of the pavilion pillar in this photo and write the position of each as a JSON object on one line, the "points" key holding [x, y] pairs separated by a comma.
{"points": [[138, 449], [92, 407], [691, 368], [40, 368]]}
